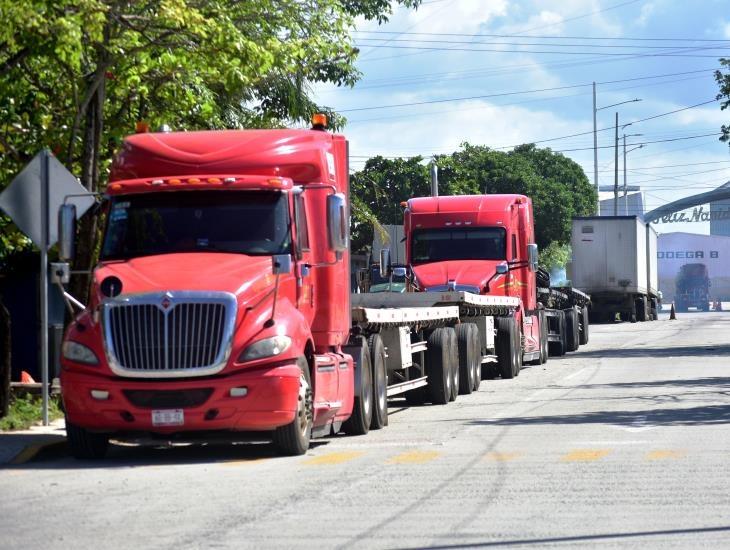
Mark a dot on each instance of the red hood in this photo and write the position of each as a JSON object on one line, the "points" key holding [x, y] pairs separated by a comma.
{"points": [[473, 273], [235, 273]]}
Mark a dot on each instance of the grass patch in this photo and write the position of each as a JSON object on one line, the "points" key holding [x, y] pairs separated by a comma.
{"points": [[25, 411]]}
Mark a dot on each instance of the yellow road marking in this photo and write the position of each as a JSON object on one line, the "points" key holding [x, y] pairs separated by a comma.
{"points": [[501, 457], [664, 455], [243, 461], [414, 457], [333, 458], [585, 455]]}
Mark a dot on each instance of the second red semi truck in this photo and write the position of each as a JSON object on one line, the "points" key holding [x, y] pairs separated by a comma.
{"points": [[221, 302]]}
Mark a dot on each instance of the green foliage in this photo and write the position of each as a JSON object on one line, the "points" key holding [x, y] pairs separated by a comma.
{"points": [[555, 256], [377, 191], [557, 186], [76, 75], [723, 81], [26, 411]]}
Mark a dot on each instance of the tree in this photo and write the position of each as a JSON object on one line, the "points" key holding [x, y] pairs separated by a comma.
{"points": [[723, 81], [558, 187], [377, 190], [78, 75]]}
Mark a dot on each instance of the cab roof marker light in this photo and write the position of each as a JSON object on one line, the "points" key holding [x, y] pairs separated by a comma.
{"points": [[115, 186], [174, 181], [449, 223], [457, 223], [229, 180], [467, 223], [214, 180], [157, 182], [194, 181]]}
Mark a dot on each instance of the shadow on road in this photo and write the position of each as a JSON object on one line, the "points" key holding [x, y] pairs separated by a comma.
{"points": [[719, 383], [690, 416], [664, 351], [133, 456]]}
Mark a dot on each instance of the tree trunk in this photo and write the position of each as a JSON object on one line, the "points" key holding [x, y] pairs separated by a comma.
{"points": [[88, 227], [4, 360]]}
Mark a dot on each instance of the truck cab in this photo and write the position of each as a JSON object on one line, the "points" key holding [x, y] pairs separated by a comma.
{"points": [[221, 298], [482, 244]]}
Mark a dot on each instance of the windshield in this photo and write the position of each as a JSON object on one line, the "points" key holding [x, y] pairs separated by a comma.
{"points": [[245, 222], [463, 243]]}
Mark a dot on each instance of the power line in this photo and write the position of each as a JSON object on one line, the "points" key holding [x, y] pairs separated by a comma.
{"points": [[564, 45], [545, 37], [602, 54]]}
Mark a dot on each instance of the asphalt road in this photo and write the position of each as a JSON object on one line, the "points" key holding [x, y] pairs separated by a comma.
{"points": [[623, 444]]}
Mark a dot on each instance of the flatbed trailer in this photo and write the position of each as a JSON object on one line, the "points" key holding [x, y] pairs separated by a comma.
{"points": [[412, 324]]}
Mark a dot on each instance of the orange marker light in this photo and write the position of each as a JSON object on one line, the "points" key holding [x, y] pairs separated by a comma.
{"points": [[115, 186], [141, 127], [275, 181], [214, 180], [319, 119], [174, 181], [404, 203]]}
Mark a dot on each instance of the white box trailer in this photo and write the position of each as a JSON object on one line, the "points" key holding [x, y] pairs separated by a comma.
{"points": [[615, 261]]}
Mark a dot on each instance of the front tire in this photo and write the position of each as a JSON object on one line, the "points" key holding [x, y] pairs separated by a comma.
{"points": [[86, 445], [572, 330], [293, 439], [584, 324], [508, 347]]}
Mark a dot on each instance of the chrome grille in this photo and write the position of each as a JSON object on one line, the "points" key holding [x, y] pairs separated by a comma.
{"points": [[172, 334]]}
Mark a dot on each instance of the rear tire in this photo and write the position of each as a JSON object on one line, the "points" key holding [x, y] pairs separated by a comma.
{"points": [[641, 312], [467, 337], [438, 367], [362, 410], [380, 382], [508, 347], [572, 331], [293, 439], [543, 337], [86, 445], [454, 359], [584, 324]]}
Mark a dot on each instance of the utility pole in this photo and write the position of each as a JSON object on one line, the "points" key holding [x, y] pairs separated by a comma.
{"points": [[626, 202], [595, 153], [615, 178]]}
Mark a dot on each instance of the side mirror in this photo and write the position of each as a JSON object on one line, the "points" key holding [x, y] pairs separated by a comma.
{"points": [[66, 232], [399, 272], [532, 257], [502, 268], [281, 264], [384, 262], [337, 229]]}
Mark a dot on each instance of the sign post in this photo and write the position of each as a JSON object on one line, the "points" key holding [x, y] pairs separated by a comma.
{"points": [[44, 283], [20, 200]]}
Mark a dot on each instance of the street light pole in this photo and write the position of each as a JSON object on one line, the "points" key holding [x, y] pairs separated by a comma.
{"points": [[595, 152], [626, 200], [615, 178]]}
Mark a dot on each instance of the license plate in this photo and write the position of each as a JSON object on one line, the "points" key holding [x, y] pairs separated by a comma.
{"points": [[168, 417]]}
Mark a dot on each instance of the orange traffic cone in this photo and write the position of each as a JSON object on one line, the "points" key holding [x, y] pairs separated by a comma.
{"points": [[26, 378], [672, 313]]}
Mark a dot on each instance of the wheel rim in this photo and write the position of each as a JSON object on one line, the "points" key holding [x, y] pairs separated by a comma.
{"points": [[304, 406], [380, 381], [367, 393]]}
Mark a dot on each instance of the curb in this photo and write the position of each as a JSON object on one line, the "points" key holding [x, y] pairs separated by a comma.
{"points": [[31, 451]]}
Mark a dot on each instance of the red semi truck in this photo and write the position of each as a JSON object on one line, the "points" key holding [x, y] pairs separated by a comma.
{"points": [[485, 245]]}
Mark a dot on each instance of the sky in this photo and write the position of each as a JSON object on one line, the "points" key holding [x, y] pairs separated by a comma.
{"points": [[504, 72]]}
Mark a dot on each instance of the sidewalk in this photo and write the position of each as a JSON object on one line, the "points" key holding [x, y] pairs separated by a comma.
{"points": [[21, 446]]}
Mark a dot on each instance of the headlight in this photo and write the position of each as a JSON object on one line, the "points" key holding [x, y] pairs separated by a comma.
{"points": [[268, 347], [73, 351]]}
